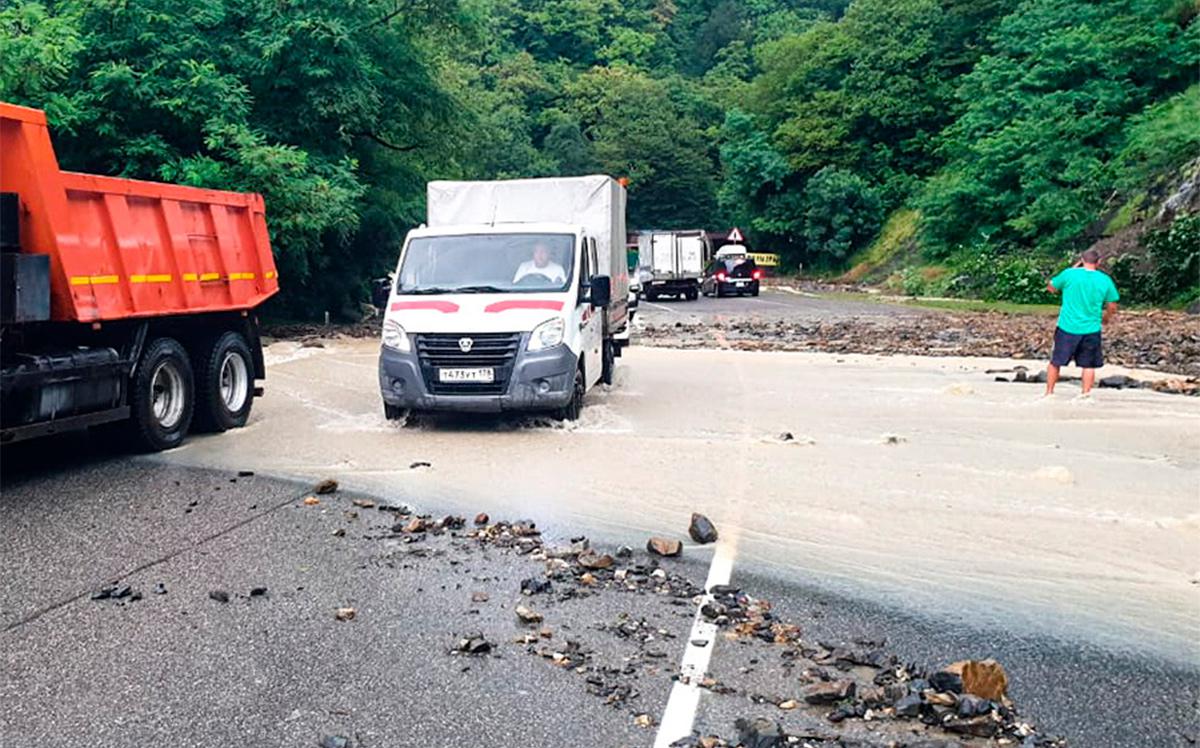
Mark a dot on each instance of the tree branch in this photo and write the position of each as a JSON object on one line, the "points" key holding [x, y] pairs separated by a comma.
{"points": [[390, 146]]}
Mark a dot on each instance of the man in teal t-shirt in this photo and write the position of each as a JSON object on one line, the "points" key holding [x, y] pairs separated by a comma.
{"points": [[1089, 300]]}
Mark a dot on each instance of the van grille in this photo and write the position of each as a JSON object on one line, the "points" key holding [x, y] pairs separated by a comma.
{"points": [[496, 351]]}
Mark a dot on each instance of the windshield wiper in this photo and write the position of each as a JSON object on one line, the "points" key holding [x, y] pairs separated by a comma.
{"points": [[479, 289], [423, 291]]}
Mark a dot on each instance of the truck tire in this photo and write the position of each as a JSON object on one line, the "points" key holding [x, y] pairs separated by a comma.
{"points": [[162, 396], [608, 357], [571, 411], [692, 294], [224, 383]]}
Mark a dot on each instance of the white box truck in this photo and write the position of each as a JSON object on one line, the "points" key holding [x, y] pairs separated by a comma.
{"points": [[512, 297], [671, 263]]}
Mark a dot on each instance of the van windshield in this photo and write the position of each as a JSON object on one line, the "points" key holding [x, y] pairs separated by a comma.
{"points": [[487, 263]]}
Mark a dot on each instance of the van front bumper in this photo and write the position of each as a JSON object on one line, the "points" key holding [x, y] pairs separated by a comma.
{"points": [[542, 380]]}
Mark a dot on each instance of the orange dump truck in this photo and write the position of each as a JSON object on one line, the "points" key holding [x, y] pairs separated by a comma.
{"points": [[123, 301]]}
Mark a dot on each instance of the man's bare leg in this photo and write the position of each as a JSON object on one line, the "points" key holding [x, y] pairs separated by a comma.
{"points": [[1051, 378], [1089, 378]]}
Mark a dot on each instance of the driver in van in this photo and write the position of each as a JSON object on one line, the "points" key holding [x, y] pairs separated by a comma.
{"points": [[541, 264]]}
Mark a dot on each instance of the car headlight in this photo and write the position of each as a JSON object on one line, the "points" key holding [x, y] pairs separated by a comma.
{"points": [[547, 335], [394, 336]]}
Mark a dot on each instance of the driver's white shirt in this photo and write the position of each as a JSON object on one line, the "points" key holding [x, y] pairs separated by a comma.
{"points": [[551, 270]]}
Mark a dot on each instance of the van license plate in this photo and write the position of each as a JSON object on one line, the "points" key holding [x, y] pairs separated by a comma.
{"points": [[485, 376]]}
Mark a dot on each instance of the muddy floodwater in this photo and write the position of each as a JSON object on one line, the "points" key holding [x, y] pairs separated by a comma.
{"points": [[916, 482]]}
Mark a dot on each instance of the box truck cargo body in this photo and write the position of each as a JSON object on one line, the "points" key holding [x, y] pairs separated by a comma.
{"points": [[671, 263], [512, 297], [123, 300]]}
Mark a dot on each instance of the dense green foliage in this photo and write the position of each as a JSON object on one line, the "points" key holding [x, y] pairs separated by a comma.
{"points": [[1008, 130]]}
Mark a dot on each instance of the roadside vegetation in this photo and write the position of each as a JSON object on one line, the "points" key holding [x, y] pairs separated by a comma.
{"points": [[961, 149]]}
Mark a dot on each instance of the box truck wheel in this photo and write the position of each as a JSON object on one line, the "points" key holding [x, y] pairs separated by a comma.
{"points": [[692, 294], [162, 395], [224, 384], [571, 411]]}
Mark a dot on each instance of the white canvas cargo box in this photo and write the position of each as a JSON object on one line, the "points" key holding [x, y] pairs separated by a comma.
{"points": [[595, 203]]}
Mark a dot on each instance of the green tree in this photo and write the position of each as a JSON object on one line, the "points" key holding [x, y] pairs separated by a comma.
{"points": [[1044, 115]]}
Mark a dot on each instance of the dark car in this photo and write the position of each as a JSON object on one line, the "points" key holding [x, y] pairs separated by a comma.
{"points": [[731, 274]]}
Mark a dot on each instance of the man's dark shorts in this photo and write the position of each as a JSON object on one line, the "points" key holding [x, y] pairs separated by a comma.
{"points": [[1085, 349]]}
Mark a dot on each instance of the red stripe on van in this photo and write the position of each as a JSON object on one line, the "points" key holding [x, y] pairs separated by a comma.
{"points": [[447, 307], [504, 306]]}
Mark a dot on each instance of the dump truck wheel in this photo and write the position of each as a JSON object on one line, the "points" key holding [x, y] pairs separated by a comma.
{"points": [[224, 383], [162, 396]]}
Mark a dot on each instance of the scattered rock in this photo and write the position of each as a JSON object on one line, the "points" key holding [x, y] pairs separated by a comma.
{"points": [[947, 681], [759, 732], [160, 589], [345, 614], [828, 692], [220, 596], [334, 741], [339, 533], [908, 706], [311, 501], [421, 464], [1118, 381], [481, 518], [245, 474], [664, 547], [473, 644], [479, 597], [643, 720], [258, 591], [528, 615], [590, 560], [893, 439], [363, 503], [535, 586], [104, 593], [701, 529], [327, 486], [624, 552], [983, 678]]}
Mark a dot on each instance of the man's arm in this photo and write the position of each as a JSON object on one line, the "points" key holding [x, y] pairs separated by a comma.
{"points": [[1110, 311], [1050, 287]]}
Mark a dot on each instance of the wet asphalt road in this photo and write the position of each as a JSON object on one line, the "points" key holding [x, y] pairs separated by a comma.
{"points": [[182, 669], [786, 302]]}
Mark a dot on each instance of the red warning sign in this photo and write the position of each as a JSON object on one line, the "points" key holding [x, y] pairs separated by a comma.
{"points": [[736, 237]]}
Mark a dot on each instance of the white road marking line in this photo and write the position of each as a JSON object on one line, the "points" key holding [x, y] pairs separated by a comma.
{"points": [[680, 712], [660, 306]]}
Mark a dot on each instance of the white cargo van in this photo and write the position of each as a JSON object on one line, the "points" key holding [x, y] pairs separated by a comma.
{"points": [[512, 297]]}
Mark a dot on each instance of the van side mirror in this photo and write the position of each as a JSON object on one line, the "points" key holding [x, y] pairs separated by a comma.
{"points": [[381, 289], [601, 291]]}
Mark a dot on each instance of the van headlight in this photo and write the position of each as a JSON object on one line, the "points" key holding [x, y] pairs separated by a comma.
{"points": [[547, 335], [394, 336]]}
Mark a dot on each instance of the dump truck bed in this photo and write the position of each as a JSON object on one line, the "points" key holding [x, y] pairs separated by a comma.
{"points": [[124, 248]]}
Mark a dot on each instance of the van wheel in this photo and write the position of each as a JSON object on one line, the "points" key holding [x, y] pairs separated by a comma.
{"points": [[162, 396], [571, 411], [609, 361], [225, 384], [394, 412]]}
